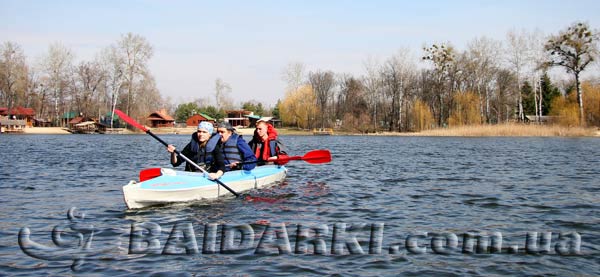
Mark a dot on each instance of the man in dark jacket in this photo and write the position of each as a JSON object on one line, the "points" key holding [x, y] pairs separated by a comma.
{"points": [[204, 150]]}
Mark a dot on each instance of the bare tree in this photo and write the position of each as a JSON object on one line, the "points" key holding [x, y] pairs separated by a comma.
{"points": [[537, 59], [113, 66], [88, 80], [398, 77], [373, 88], [58, 65], [574, 49], [350, 98], [151, 100], [293, 76], [322, 84], [482, 65], [222, 90], [136, 52], [13, 74], [443, 58], [518, 54]]}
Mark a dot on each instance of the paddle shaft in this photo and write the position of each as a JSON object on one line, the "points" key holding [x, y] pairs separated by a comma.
{"points": [[191, 162], [141, 127], [313, 157]]}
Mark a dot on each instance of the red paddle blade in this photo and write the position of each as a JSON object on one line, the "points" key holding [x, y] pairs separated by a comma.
{"points": [[312, 157], [149, 173], [130, 120], [317, 157]]}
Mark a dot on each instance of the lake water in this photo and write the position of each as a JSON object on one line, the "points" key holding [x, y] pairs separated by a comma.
{"points": [[383, 206]]}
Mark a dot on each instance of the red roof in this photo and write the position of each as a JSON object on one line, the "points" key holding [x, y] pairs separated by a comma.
{"points": [[76, 120], [18, 111], [160, 115]]}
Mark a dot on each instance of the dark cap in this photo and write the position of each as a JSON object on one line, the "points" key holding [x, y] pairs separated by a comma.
{"points": [[226, 125]]}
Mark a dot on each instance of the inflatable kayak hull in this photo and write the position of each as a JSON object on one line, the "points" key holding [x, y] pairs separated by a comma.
{"points": [[178, 186]]}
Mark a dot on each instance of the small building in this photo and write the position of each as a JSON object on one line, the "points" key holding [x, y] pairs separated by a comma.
{"points": [[544, 119], [66, 117], [241, 118], [39, 122], [160, 119], [109, 118], [77, 120], [194, 120], [19, 113], [269, 119], [85, 125], [12, 125]]}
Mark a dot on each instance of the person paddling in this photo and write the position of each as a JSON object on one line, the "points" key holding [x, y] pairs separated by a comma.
{"points": [[235, 149], [265, 145], [203, 149]]}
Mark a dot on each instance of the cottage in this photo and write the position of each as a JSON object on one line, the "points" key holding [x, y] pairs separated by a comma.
{"points": [[241, 118], [544, 119], [194, 120], [66, 117], [160, 119], [12, 125], [77, 120], [19, 113]]}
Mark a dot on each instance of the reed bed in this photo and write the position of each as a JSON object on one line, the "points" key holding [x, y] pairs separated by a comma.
{"points": [[512, 130]]}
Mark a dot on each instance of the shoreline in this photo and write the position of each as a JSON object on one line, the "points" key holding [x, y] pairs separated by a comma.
{"points": [[504, 130]]}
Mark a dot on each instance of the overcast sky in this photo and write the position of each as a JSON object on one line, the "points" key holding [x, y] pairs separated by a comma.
{"points": [[248, 43]]}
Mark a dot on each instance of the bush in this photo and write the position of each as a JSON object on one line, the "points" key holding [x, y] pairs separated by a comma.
{"points": [[422, 117], [466, 110], [566, 111]]}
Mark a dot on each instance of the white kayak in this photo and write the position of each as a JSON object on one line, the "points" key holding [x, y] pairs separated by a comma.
{"points": [[179, 186]]}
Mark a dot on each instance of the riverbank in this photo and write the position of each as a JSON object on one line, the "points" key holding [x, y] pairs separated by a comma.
{"points": [[501, 130], [46, 131]]}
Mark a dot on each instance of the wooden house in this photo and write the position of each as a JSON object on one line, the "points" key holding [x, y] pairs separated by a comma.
{"points": [[66, 117], [239, 118], [19, 113], [12, 125], [160, 118], [194, 120]]}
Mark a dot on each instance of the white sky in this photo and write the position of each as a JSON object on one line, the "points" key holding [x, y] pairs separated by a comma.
{"points": [[248, 43]]}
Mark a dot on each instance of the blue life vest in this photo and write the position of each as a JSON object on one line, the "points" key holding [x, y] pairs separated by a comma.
{"points": [[231, 153], [204, 155]]}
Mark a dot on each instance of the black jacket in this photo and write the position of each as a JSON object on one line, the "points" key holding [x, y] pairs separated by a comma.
{"points": [[211, 156]]}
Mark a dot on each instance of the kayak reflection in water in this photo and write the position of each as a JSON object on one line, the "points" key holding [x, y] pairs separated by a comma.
{"points": [[204, 150]]}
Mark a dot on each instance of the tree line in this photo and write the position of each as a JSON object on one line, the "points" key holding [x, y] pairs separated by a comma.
{"points": [[488, 83], [117, 77]]}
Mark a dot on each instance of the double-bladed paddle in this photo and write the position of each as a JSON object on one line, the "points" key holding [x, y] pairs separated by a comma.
{"points": [[312, 157], [319, 156], [134, 123]]}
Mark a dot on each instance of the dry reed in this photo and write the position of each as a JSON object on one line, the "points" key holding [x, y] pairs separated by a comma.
{"points": [[512, 130]]}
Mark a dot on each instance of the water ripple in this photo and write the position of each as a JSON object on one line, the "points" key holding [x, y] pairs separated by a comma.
{"points": [[409, 186]]}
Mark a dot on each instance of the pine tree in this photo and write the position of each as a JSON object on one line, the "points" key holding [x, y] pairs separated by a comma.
{"points": [[528, 99], [549, 92]]}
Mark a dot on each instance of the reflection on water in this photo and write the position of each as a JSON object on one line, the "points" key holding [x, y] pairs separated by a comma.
{"points": [[399, 201]]}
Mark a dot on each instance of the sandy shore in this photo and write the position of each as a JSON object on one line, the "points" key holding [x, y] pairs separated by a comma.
{"points": [[46, 131]]}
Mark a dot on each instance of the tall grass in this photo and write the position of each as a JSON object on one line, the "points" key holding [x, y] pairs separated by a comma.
{"points": [[512, 130]]}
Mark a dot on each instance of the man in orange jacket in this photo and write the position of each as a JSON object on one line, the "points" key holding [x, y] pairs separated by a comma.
{"points": [[265, 145]]}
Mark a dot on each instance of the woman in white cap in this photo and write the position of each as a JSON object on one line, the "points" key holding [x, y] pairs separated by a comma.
{"points": [[235, 149], [204, 150]]}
